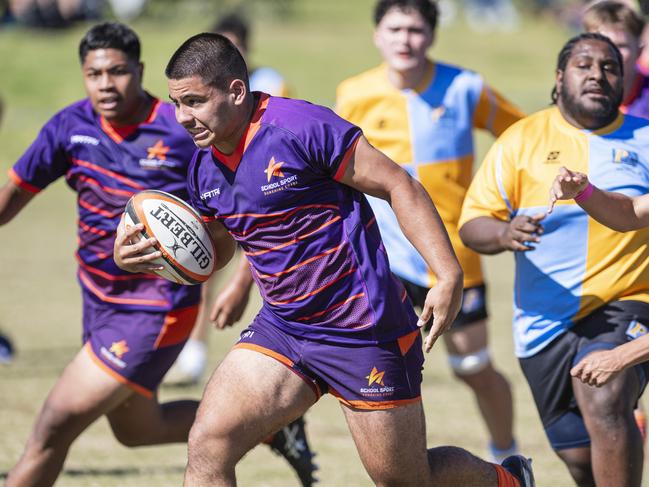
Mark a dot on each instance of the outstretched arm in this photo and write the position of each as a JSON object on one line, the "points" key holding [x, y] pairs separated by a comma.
{"points": [[12, 199], [372, 172], [488, 235], [615, 210]]}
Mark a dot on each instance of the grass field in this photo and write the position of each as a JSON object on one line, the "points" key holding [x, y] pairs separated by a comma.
{"points": [[321, 44]]}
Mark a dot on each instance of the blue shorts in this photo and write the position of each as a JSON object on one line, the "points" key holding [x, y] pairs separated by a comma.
{"points": [[380, 376], [135, 347]]}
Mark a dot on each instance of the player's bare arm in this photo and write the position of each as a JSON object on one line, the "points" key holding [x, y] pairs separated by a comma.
{"points": [[231, 301], [12, 199], [488, 235], [223, 243], [599, 368], [615, 210], [372, 172]]}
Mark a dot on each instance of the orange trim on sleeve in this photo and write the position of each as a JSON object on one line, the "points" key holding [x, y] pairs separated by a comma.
{"points": [[18, 181], [114, 374], [405, 342], [346, 158]]}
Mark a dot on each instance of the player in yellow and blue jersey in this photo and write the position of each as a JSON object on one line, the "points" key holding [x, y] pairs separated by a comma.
{"points": [[422, 113], [580, 287]]}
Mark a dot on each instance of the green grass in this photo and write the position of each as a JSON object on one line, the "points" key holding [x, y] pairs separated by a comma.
{"points": [[317, 47]]}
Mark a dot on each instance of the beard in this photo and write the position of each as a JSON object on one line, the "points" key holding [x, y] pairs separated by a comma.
{"points": [[599, 113]]}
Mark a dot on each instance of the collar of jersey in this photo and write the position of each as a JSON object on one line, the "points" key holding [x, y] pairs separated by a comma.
{"points": [[423, 85], [563, 124], [119, 132], [231, 161]]}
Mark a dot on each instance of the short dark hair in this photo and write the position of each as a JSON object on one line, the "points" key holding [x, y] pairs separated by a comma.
{"points": [[235, 24], [110, 35], [566, 53], [613, 13], [212, 57], [426, 8]]}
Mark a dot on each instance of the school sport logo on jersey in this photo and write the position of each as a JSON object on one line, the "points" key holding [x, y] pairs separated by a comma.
{"points": [[375, 385], [115, 353], [157, 156], [273, 172]]}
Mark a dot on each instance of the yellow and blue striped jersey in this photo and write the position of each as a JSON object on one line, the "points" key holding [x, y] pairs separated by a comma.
{"points": [[579, 265], [428, 131]]}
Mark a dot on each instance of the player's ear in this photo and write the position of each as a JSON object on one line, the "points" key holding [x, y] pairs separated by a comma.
{"points": [[140, 70], [558, 80], [238, 90]]}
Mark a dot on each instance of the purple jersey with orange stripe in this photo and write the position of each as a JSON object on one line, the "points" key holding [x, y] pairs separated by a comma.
{"points": [[312, 242], [106, 168]]}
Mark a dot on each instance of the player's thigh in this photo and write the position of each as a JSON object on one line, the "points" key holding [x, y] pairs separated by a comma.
{"points": [[249, 397], [467, 338], [391, 442], [82, 393]]}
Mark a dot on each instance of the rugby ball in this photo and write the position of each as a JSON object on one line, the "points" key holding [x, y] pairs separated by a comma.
{"points": [[188, 252]]}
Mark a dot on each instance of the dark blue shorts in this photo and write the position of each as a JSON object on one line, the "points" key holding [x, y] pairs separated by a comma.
{"points": [[380, 376], [135, 347], [548, 372]]}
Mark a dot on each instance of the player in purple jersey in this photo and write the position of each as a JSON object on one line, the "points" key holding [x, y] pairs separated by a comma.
{"points": [[285, 179], [118, 141]]}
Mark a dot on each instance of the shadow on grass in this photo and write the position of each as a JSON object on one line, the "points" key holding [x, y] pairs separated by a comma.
{"points": [[116, 471]]}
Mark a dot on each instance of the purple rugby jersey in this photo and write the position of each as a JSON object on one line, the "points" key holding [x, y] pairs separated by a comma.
{"points": [[637, 103], [106, 168], [312, 242]]}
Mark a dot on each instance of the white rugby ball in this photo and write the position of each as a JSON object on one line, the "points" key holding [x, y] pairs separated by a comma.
{"points": [[188, 252]]}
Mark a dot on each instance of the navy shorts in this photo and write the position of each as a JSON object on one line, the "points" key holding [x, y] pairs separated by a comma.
{"points": [[548, 372]]}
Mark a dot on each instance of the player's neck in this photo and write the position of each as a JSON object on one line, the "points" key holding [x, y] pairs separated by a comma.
{"points": [[140, 112], [409, 79], [229, 145]]}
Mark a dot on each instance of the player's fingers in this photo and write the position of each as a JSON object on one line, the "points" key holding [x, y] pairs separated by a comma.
{"points": [[141, 246], [223, 320], [425, 316]]}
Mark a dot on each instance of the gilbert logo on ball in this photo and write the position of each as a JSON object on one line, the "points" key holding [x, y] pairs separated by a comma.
{"points": [[188, 252]]}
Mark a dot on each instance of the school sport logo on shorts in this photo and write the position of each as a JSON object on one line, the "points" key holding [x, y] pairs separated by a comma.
{"points": [[375, 385], [115, 353], [274, 170], [636, 330]]}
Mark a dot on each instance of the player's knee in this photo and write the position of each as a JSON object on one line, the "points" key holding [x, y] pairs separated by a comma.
{"points": [[468, 365], [207, 444], [55, 426], [131, 438]]}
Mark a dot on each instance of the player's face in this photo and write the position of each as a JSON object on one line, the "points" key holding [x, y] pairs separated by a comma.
{"points": [[113, 84], [403, 37], [590, 87], [209, 115], [628, 45]]}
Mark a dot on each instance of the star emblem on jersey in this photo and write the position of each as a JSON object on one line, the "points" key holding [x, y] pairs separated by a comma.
{"points": [[375, 377], [158, 151], [274, 169], [119, 348]]}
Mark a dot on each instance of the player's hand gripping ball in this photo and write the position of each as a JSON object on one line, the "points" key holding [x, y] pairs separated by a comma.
{"points": [[188, 252]]}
